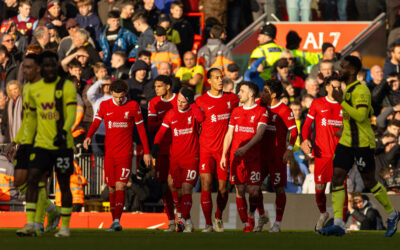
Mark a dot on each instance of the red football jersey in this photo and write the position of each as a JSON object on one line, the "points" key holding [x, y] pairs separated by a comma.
{"points": [[185, 133], [158, 108], [284, 122], [328, 119], [268, 141], [217, 110], [25, 27], [245, 121], [119, 121]]}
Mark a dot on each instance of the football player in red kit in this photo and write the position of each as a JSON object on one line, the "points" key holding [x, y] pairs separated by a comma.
{"points": [[326, 114], [119, 115], [246, 128], [284, 122], [217, 107], [183, 123], [158, 108]]}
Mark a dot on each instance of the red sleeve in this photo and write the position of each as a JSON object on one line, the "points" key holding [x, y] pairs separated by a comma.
{"points": [[163, 129], [153, 122], [97, 121], [141, 129], [306, 130], [198, 113], [290, 123], [235, 100], [264, 118]]}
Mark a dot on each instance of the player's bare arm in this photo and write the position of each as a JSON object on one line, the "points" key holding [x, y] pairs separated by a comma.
{"points": [[227, 145], [256, 138]]}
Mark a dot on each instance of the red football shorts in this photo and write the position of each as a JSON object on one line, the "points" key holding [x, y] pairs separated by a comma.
{"points": [[277, 171], [323, 170], [162, 168], [245, 171], [117, 169], [184, 171], [210, 164]]}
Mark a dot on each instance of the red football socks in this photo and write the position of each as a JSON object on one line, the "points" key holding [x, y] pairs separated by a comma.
{"points": [[242, 209], [280, 203], [119, 203], [186, 206], [206, 205], [221, 204], [111, 197], [320, 198], [177, 200], [169, 205]]}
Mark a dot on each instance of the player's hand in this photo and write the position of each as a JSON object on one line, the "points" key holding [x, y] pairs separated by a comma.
{"points": [[396, 108], [154, 150], [337, 94], [288, 156], [240, 152], [222, 163], [338, 134], [188, 94], [57, 23], [147, 159], [11, 151], [87, 142], [306, 147]]}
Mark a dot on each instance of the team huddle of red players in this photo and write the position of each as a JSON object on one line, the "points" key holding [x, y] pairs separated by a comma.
{"points": [[241, 138]]}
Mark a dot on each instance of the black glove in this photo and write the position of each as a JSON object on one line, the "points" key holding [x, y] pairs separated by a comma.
{"points": [[60, 140], [188, 94], [154, 150]]}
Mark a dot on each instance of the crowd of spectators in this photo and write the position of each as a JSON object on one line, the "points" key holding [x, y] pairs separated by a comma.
{"points": [[98, 41]]}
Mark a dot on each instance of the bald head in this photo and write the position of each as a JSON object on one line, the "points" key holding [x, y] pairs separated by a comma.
{"points": [[376, 74], [189, 59], [164, 69]]}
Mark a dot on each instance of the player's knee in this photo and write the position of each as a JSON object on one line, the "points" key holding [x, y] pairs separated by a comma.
{"points": [[320, 187], [240, 192], [279, 190], [206, 181], [120, 186]]}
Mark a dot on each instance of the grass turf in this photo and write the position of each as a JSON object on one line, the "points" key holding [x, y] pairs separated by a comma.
{"points": [[156, 239]]}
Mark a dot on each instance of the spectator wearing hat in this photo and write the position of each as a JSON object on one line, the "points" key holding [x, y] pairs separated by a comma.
{"points": [[267, 49], [307, 59], [116, 38], [150, 10], [127, 10], [25, 23], [233, 73], [182, 25], [328, 54], [66, 45], [172, 35], [163, 50], [146, 37], [53, 15], [215, 54], [192, 74], [140, 88], [88, 20]]}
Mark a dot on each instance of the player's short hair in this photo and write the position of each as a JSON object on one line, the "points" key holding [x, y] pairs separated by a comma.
{"points": [[252, 86], [47, 54], [40, 31], [227, 81], [217, 30], [394, 122], [394, 45], [107, 78], [33, 57], [140, 16], [99, 65], [305, 96], [82, 3], [144, 53], [113, 14], [177, 4], [165, 79], [84, 34], [74, 63], [295, 103], [330, 79], [211, 70], [354, 62], [393, 74], [119, 86], [25, 2], [275, 86], [127, 3], [121, 54]]}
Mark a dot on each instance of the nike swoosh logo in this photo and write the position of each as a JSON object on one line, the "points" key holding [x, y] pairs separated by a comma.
{"points": [[322, 111], [174, 122], [210, 107], [235, 118], [110, 113], [161, 112]]}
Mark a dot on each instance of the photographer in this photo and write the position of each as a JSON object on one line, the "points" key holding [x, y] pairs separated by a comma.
{"points": [[362, 215]]}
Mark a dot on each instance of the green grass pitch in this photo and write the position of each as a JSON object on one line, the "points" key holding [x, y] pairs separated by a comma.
{"points": [[156, 239]]}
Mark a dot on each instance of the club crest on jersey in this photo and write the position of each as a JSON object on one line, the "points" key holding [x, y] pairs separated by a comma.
{"points": [[229, 104], [110, 124], [213, 118], [252, 118], [58, 94], [274, 117], [189, 120], [29, 25], [126, 115], [341, 113], [348, 96]]}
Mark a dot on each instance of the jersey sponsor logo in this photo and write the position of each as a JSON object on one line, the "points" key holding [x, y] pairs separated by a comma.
{"points": [[49, 115], [189, 120], [117, 124], [221, 117], [213, 118], [244, 129], [323, 122], [126, 115], [47, 105], [210, 107], [185, 131], [335, 123]]}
